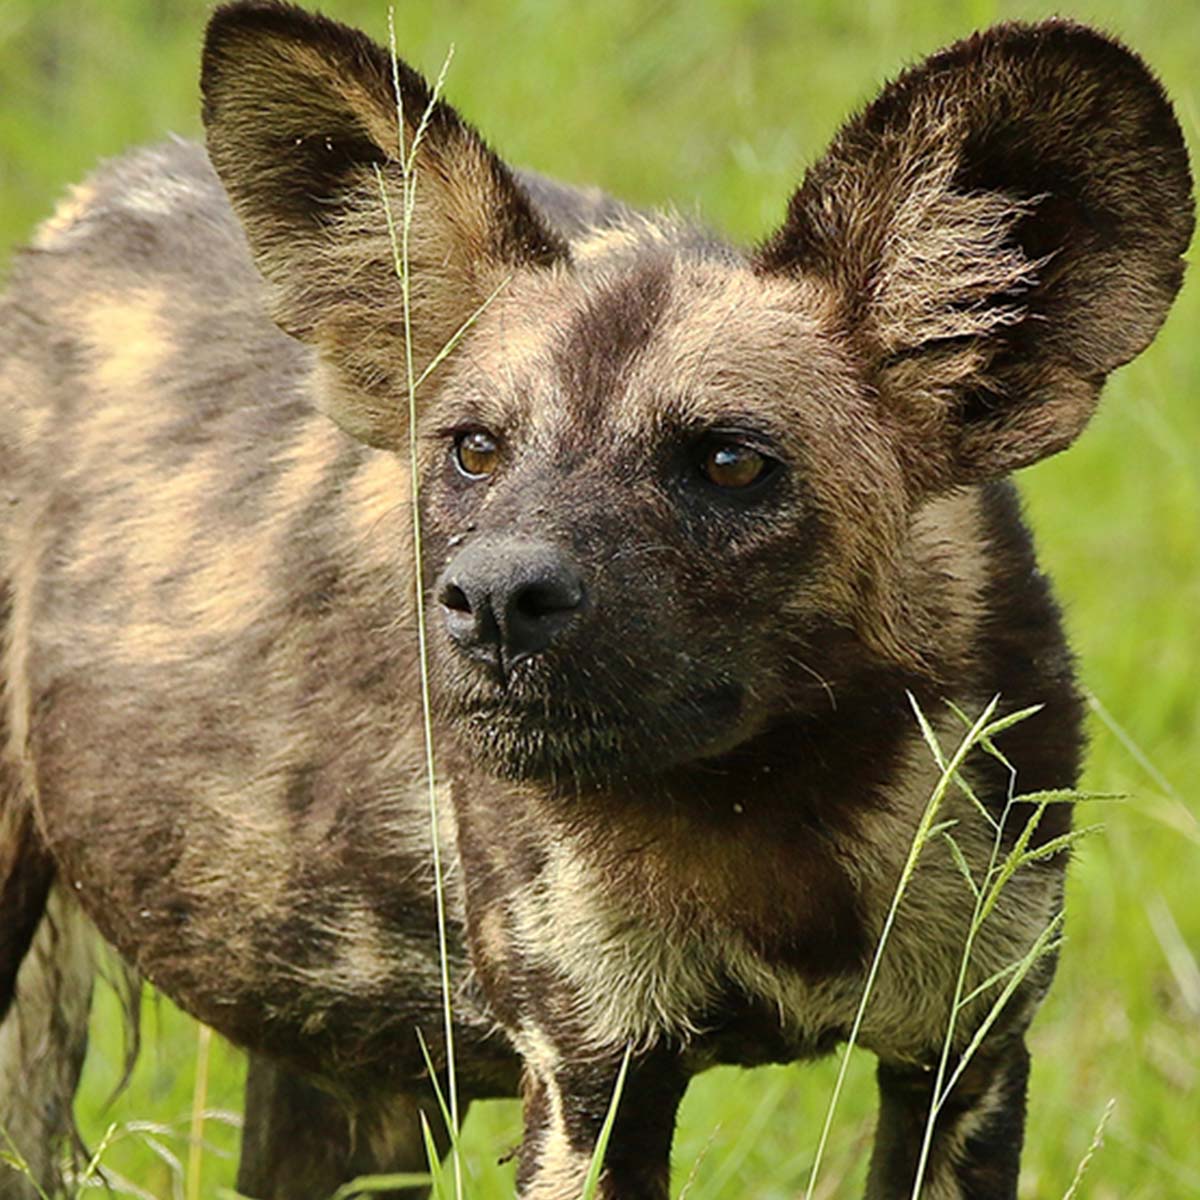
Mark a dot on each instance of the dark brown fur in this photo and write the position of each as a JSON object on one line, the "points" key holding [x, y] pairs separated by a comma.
{"points": [[678, 762]]}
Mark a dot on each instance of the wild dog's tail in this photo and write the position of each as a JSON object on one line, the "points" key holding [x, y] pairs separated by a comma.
{"points": [[46, 974], [26, 872]]}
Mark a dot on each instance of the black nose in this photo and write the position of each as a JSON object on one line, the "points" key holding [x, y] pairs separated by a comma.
{"points": [[507, 599]]}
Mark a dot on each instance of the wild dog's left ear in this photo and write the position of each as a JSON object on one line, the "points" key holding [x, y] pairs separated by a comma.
{"points": [[1000, 229], [301, 113]]}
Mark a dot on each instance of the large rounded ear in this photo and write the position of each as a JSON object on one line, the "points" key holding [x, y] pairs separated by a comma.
{"points": [[1000, 229], [303, 115]]}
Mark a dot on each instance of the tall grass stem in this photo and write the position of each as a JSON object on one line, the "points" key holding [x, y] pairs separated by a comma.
{"points": [[400, 250], [195, 1156], [949, 770]]}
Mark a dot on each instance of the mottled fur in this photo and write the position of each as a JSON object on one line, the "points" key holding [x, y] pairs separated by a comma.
{"points": [[675, 811]]}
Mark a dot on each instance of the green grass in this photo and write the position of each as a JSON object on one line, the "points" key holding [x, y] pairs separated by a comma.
{"points": [[716, 105]]}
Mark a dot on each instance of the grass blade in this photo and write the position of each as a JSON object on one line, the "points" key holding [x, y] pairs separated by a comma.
{"points": [[366, 1185], [1059, 844], [195, 1155], [1097, 1142], [461, 332], [447, 1115], [592, 1179], [401, 258], [15, 1159], [961, 863], [1067, 796], [935, 747], [437, 1179], [928, 818], [1043, 944], [1007, 722]]}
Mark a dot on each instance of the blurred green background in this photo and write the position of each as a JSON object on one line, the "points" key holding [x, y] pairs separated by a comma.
{"points": [[715, 106]]}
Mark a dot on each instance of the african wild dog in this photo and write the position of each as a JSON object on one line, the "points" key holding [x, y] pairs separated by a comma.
{"points": [[696, 520]]}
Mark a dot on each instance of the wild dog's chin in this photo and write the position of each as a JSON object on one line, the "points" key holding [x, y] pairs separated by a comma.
{"points": [[585, 746]]}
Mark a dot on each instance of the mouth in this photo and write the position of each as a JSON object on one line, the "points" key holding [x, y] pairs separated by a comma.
{"points": [[588, 743]]}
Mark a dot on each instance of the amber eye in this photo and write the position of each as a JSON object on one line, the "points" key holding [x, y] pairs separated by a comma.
{"points": [[476, 453], [733, 464]]}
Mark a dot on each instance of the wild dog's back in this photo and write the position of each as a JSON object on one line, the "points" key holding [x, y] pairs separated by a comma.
{"points": [[133, 319], [194, 554]]}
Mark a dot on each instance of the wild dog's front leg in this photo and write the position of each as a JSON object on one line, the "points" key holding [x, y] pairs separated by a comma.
{"points": [[976, 1148], [565, 1106]]}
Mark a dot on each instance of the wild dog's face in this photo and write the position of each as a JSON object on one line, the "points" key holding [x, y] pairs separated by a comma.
{"points": [[624, 509], [661, 478]]}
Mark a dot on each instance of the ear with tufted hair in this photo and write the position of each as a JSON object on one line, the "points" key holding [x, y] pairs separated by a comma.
{"points": [[300, 112], [1001, 228]]}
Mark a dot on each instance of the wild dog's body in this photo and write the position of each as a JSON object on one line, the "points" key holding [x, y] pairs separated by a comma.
{"points": [[676, 823]]}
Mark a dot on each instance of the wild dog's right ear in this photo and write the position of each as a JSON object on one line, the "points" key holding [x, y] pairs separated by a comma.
{"points": [[299, 112], [1000, 229]]}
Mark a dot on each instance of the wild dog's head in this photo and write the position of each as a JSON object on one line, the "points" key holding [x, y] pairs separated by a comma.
{"points": [[661, 476]]}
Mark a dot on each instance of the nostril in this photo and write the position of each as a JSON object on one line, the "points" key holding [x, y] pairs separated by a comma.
{"points": [[544, 597], [454, 598]]}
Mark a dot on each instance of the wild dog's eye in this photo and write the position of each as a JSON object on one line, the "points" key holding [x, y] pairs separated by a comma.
{"points": [[476, 453], [732, 464]]}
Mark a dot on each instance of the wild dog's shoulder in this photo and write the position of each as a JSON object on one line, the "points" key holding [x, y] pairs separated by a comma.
{"points": [[144, 246], [137, 295], [146, 192], [146, 240], [149, 231]]}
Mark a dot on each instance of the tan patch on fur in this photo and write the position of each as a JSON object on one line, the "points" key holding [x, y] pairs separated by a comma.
{"points": [[307, 460], [159, 199], [23, 390], [55, 232], [948, 573], [378, 511], [633, 981], [560, 1169], [364, 960], [213, 596], [162, 539], [376, 515], [219, 600], [637, 231], [492, 935], [239, 846], [129, 337]]}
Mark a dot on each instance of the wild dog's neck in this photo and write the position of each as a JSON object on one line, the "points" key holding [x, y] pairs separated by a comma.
{"points": [[921, 604], [734, 840]]}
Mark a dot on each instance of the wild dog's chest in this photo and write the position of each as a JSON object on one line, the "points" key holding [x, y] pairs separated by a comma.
{"points": [[663, 928], [739, 942]]}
